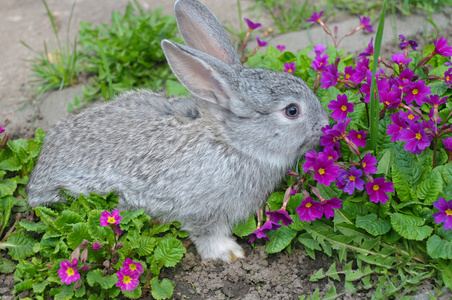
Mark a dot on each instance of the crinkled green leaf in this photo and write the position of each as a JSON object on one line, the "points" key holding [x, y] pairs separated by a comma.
{"points": [[39, 227], [133, 294], [20, 246], [402, 186], [65, 292], [7, 187], [11, 164], [385, 162], [78, 233], [329, 192], [96, 276], [6, 266], [275, 200], [245, 228], [40, 287], [23, 286], [169, 251], [408, 165], [410, 227], [67, 218], [372, 224], [47, 216], [430, 187], [163, 289], [147, 245], [279, 239], [439, 248]]}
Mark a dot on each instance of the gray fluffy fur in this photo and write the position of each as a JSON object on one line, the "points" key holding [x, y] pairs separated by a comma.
{"points": [[207, 161]]}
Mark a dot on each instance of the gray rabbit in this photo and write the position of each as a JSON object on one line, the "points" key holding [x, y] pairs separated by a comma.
{"points": [[207, 161]]}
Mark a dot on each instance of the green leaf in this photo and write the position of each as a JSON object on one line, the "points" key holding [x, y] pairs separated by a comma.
{"points": [[40, 287], [402, 186], [385, 163], [66, 292], [65, 221], [39, 227], [169, 252], [275, 200], [279, 239], [6, 266], [78, 233], [147, 245], [430, 187], [245, 228], [372, 224], [329, 192], [408, 165], [133, 294], [20, 246], [7, 187], [163, 289], [176, 89], [439, 248], [11, 164], [128, 216], [96, 276], [410, 227]]}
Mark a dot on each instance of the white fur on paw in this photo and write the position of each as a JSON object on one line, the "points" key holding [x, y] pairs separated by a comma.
{"points": [[225, 249]]}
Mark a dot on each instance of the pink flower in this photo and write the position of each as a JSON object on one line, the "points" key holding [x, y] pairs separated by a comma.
{"points": [[289, 67], [311, 158], [369, 51], [378, 190], [281, 48], [328, 206], [368, 163], [134, 267], [349, 181], [441, 47], [252, 25], [365, 23], [340, 107], [260, 233], [1, 129], [448, 144], [325, 171], [417, 91], [445, 212], [107, 219], [261, 43], [315, 17], [127, 281], [309, 210], [68, 271], [280, 215], [329, 77], [320, 63], [329, 153], [394, 129], [404, 44], [96, 246], [416, 138], [400, 59]]}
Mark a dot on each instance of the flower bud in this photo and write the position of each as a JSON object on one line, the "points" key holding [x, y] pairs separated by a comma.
{"points": [[84, 255], [96, 246], [76, 253], [119, 245], [292, 173], [106, 263], [77, 284]]}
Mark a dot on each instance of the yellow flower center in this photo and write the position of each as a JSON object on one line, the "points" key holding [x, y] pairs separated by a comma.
{"points": [[387, 102], [321, 171], [330, 157], [290, 70], [415, 91], [126, 279], [352, 178], [364, 164], [132, 267], [111, 220], [320, 63], [411, 117], [418, 136], [334, 140], [449, 212], [448, 78], [347, 76], [308, 205], [376, 187], [344, 108], [359, 136], [70, 271]]}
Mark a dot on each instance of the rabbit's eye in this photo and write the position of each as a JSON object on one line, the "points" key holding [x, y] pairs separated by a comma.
{"points": [[292, 111]]}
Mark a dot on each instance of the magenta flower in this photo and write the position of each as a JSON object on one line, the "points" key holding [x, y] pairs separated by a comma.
{"points": [[435, 101], [251, 25], [360, 71], [319, 49], [1, 129], [261, 43], [447, 78], [404, 44], [391, 99], [328, 206], [134, 267], [382, 85], [417, 91], [378, 190], [329, 77], [96, 246], [281, 48], [320, 63], [260, 233], [127, 281], [280, 215], [68, 271], [309, 210], [369, 51], [448, 144], [349, 181], [315, 17], [329, 140], [408, 116], [400, 59], [340, 128], [368, 163], [358, 137], [444, 214], [441, 47], [394, 129], [311, 158], [416, 138], [329, 153], [348, 73], [289, 67], [325, 171], [340, 107], [406, 74], [365, 23], [107, 219]]}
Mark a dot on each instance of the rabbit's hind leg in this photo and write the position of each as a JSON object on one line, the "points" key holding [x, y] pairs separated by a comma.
{"points": [[43, 196]]}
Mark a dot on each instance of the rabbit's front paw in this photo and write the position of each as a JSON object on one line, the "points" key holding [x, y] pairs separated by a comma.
{"points": [[225, 249]]}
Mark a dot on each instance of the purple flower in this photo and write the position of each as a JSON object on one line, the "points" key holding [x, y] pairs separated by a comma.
{"points": [[448, 144], [435, 101], [441, 47], [404, 44], [289, 67], [252, 25], [329, 140], [378, 189], [416, 138], [96, 246], [360, 71], [280, 215], [394, 129], [107, 219], [368, 163], [319, 49], [68, 271], [444, 214], [261, 43], [320, 63], [328, 206], [309, 210], [391, 98], [369, 51], [127, 281], [281, 48], [417, 91], [315, 17], [406, 74], [260, 233], [348, 73], [132, 266], [408, 116], [400, 59], [447, 79], [329, 153], [349, 181], [325, 171], [340, 128], [329, 77], [311, 158], [1, 129], [358, 137], [340, 107], [365, 23]]}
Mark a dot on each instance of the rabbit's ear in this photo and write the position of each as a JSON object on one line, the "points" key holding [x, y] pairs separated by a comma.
{"points": [[204, 76], [201, 30]]}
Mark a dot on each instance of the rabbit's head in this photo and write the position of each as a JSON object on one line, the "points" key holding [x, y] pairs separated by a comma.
{"points": [[273, 116]]}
